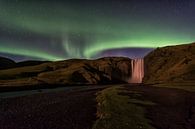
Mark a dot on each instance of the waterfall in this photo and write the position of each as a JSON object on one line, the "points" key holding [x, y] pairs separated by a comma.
{"points": [[137, 66]]}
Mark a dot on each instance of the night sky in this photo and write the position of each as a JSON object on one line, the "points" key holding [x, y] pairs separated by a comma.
{"points": [[58, 30]]}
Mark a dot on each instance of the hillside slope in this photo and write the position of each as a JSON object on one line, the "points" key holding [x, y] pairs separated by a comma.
{"points": [[6, 63], [170, 64], [69, 72]]}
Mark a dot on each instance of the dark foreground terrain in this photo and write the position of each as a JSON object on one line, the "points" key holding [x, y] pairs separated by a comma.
{"points": [[55, 110], [164, 108], [173, 109]]}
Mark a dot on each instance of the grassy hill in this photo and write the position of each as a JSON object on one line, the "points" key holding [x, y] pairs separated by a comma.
{"points": [[6, 63], [171, 64]]}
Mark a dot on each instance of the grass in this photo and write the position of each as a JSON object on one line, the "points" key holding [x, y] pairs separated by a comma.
{"points": [[184, 86], [120, 111], [19, 76]]}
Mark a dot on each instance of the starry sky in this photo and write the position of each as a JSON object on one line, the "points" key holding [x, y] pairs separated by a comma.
{"points": [[63, 29]]}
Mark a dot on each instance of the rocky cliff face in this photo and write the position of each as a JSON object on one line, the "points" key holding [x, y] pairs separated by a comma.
{"points": [[69, 72], [170, 64]]}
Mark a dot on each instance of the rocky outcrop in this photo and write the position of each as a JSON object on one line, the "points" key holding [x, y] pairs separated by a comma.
{"points": [[70, 72], [170, 64]]}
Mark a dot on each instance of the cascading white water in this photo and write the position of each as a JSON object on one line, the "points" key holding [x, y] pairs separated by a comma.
{"points": [[137, 66]]}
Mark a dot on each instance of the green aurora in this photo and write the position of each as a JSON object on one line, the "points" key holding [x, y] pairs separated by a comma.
{"points": [[83, 31]]}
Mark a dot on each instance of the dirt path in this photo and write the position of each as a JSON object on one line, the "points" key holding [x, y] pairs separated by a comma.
{"points": [[173, 109], [58, 110]]}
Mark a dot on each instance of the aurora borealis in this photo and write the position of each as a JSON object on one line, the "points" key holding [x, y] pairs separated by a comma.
{"points": [[57, 30]]}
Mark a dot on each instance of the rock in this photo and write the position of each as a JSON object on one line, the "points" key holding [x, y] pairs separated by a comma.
{"points": [[170, 64]]}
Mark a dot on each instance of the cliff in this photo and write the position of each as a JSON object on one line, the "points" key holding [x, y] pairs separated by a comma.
{"points": [[170, 64], [69, 72]]}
